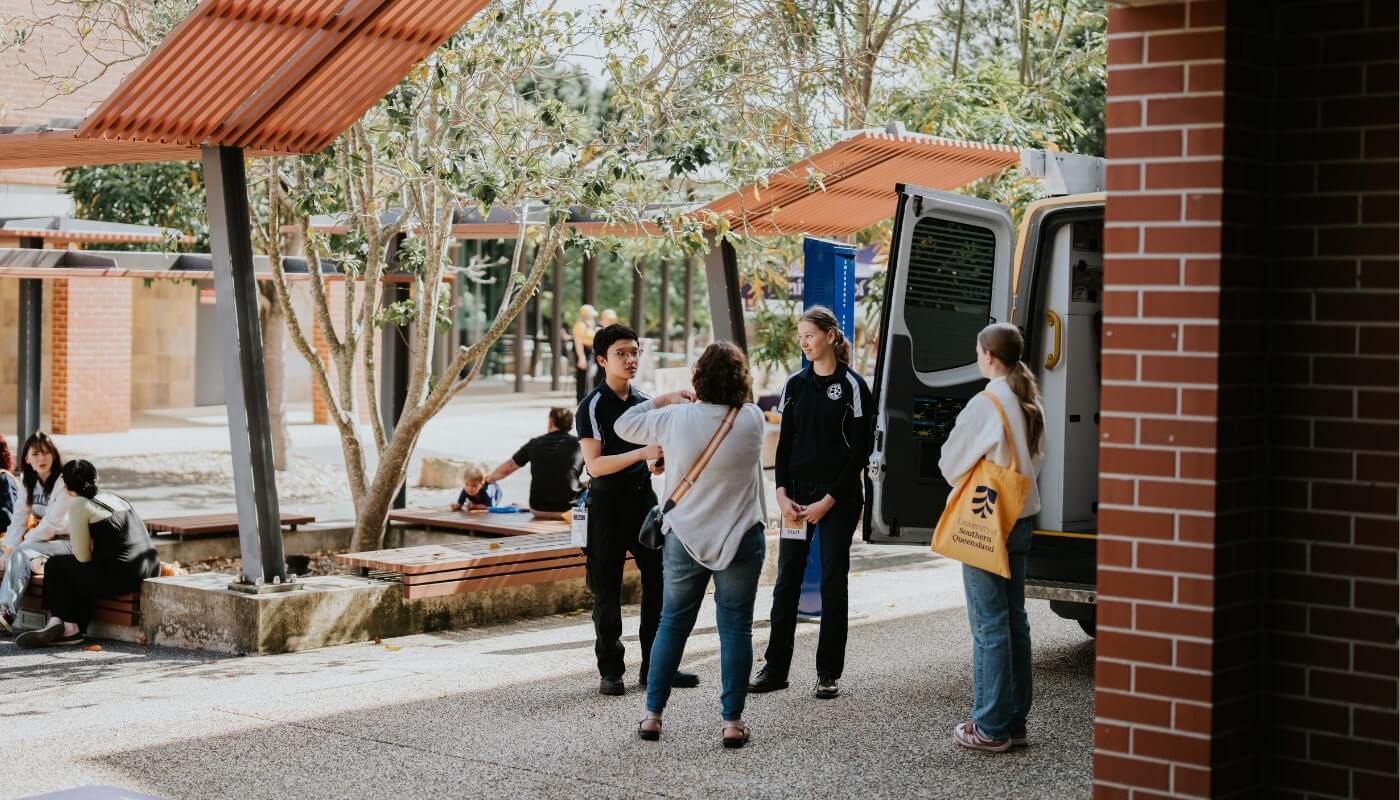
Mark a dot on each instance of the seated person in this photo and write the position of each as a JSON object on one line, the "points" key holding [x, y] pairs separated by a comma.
{"points": [[555, 465], [477, 491], [112, 554]]}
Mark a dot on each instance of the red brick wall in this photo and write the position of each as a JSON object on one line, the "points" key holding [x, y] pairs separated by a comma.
{"points": [[1248, 550], [1157, 558], [90, 376]]}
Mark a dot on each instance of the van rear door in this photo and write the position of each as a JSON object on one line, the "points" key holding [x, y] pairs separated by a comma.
{"points": [[949, 276]]}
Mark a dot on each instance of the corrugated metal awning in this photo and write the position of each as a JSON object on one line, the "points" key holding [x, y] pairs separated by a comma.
{"points": [[274, 76], [859, 175]]}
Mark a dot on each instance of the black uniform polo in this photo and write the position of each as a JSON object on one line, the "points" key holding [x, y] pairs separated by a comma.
{"points": [[595, 418], [826, 435]]}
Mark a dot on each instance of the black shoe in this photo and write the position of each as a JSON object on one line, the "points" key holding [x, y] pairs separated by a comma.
{"points": [[826, 689], [50, 634], [763, 682], [682, 680], [612, 687]]}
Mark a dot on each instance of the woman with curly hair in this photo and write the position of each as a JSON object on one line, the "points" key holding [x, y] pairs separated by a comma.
{"points": [[112, 554], [714, 531]]}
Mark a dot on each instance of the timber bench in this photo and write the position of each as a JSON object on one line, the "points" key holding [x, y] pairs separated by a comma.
{"points": [[120, 610], [478, 522], [192, 525], [471, 566]]}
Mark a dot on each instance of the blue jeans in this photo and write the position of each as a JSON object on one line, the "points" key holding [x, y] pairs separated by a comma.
{"points": [[1001, 640], [735, 587], [17, 569]]}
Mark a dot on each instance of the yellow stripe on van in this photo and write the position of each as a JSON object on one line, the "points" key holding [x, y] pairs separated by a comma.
{"points": [[1065, 535]]}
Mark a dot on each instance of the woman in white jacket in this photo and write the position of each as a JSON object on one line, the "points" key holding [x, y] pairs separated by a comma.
{"points": [[996, 606], [42, 496]]}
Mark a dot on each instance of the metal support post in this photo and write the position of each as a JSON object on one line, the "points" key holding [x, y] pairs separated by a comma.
{"points": [[590, 279], [556, 323], [665, 336], [638, 301], [689, 286], [245, 390], [31, 337], [726, 303], [394, 361]]}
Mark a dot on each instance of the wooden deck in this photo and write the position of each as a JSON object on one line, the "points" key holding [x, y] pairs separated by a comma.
{"points": [[479, 522], [194, 525]]}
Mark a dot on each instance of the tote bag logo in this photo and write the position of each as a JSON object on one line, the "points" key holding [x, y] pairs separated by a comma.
{"points": [[984, 501]]}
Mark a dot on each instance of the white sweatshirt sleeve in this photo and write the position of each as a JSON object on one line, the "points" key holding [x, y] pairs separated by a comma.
{"points": [[641, 424], [55, 521], [14, 534], [977, 432]]}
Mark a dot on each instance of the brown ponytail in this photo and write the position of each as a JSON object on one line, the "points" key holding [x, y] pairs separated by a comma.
{"points": [[1003, 340], [825, 320]]}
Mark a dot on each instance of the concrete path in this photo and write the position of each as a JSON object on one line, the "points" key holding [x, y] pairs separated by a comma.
{"points": [[513, 712]]}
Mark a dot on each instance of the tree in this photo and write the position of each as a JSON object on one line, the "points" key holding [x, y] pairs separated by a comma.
{"points": [[683, 95]]}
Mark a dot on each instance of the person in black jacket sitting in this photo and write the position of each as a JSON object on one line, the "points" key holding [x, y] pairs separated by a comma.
{"points": [[555, 466]]}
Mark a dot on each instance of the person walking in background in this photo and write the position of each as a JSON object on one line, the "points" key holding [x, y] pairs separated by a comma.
{"points": [[715, 530], [584, 327], [555, 466], [38, 525], [823, 445], [619, 497], [996, 606], [112, 555]]}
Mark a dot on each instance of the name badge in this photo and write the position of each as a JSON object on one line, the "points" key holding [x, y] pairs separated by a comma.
{"points": [[578, 527], [793, 529]]}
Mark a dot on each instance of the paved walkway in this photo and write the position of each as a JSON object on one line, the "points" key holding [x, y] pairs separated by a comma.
{"points": [[512, 711]]}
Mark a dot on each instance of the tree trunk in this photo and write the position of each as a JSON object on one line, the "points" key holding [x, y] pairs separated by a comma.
{"points": [[957, 37], [274, 340]]}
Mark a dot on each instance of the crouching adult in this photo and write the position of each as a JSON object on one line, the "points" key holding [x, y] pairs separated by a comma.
{"points": [[112, 555]]}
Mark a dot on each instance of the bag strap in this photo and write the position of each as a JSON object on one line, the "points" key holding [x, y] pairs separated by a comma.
{"points": [[1005, 428], [725, 425]]}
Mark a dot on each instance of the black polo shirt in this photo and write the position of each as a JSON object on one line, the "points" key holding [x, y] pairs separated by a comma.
{"points": [[596, 414], [555, 464]]}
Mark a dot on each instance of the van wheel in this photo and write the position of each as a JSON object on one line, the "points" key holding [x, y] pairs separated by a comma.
{"points": [[1089, 625]]}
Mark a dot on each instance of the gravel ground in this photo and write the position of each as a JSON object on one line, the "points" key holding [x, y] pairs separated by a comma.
{"points": [[512, 711]]}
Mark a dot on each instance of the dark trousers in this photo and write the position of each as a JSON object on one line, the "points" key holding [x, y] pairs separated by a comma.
{"points": [[837, 528], [581, 384], [615, 516], [72, 587]]}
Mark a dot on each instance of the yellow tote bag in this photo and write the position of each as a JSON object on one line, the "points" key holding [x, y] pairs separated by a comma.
{"points": [[982, 511]]}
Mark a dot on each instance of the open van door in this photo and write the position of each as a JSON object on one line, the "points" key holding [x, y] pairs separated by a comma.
{"points": [[949, 276]]}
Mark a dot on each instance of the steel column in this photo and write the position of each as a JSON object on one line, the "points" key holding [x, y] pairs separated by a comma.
{"points": [[638, 301], [31, 338], [556, 322], [245, 390], [665, 335], [519, 343], [726, 303], [394, 360], [689, 287]]}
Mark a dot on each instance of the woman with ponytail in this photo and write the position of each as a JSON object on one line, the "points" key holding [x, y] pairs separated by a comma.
{"points": [[996, 606], [112, 554], [823, 446]]}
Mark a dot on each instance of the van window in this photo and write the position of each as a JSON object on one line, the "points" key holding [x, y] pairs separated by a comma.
{"points": [[948, 298]]}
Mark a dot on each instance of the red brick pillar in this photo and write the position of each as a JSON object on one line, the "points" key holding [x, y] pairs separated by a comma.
{"points": [[1157, 554], [90, 374]]}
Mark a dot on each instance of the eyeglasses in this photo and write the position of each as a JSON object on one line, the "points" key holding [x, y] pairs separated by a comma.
{"points": [[626, 355]]}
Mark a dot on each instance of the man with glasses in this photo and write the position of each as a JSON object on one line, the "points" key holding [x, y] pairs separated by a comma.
{"points": [[619, 497]]}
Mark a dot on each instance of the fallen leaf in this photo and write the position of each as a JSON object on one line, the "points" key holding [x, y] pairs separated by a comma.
{"points": [[92, 648], [393, 647], [495, 545], [378, 640]]}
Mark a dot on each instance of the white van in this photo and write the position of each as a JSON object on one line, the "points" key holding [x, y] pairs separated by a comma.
{"points": [[956, 264]]}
